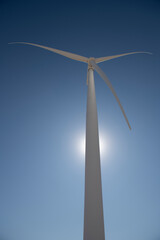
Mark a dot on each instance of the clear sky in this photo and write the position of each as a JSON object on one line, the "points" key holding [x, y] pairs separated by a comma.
{"points": [[43, 110]]}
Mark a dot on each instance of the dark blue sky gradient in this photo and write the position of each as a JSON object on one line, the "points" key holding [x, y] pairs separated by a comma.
{"points": [[43, 110]]}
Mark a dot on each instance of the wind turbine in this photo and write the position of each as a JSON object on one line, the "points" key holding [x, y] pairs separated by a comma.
{"points": [[93, 206]]}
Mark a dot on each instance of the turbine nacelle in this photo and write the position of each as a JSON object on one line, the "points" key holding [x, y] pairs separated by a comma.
{"points": [[92, 64]]}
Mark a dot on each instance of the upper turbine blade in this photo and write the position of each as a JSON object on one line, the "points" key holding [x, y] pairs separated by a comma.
{"points": [[102, 59], [63, 53], [104, 77]]}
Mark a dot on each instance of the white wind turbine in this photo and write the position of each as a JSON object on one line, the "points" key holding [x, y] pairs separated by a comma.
{"points": [[93, 206]]}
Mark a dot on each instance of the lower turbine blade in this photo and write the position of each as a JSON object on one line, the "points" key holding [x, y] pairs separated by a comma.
{"points": [[63, 53], [105, 78]]}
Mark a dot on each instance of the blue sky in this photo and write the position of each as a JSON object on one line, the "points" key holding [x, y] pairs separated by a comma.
{"points": [[43, 110]]}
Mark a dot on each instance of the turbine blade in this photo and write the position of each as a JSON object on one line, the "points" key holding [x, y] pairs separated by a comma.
{"points": [[105, 78], [63, 53], [102, 59]]}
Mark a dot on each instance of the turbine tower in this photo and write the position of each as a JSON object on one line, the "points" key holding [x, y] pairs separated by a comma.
{"points": [[93, 205]]}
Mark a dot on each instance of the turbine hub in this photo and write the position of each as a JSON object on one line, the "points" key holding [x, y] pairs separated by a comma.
{"points": [[89, 63]]}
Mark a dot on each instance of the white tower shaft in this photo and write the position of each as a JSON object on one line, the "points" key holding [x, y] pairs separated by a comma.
{"points": [[93, 209]]}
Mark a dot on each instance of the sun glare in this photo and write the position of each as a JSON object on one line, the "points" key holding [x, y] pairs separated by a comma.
{"points": [[103, 142]]}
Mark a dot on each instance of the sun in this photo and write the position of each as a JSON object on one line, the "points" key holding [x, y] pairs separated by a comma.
{"points": [[104, 145]]}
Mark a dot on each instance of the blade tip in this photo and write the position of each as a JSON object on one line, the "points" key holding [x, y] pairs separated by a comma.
{"points": [[149, 53], [17, 43], [13, 42]]}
